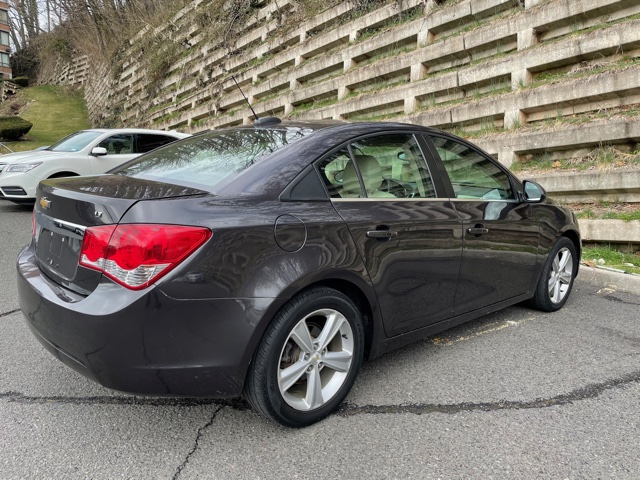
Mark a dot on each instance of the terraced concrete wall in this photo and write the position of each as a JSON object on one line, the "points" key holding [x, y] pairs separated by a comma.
{"points": [[468, 64], [483, 66]]}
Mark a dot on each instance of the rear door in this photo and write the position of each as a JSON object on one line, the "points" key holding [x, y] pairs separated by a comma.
{"points": [[500, 232], [409, 239]]}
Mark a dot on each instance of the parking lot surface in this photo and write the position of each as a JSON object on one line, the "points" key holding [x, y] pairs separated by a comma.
{"points": [[516, 394]]}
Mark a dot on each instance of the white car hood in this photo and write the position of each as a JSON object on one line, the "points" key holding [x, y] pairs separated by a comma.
{"points": [[32, 156]]}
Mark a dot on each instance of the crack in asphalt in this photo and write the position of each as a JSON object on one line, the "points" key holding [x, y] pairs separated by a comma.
{"points": [[6, 314], [613, 298], [18, 397], [346, 409], [196, 443], [584, 393]]}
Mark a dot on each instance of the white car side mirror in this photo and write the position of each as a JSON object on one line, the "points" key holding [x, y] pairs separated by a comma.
{"points": [[98, 151]]}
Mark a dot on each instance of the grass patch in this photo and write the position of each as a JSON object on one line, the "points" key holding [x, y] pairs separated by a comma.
{"points": [[55, 113], [376, 87], [613, 258], [393, 51], [600, 26], [604, 210], [393, 22], [481, 128], [312, 105], [586, 70], [494, 91], [167, 117], [603, 158], [589, 214], [374, 118]]}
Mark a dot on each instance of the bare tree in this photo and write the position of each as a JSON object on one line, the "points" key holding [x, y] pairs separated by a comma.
{"points": [[26, 18]]}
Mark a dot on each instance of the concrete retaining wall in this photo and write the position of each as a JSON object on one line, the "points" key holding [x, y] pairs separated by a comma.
{"points": [[610, 231], [403, 60], [592, 187]]}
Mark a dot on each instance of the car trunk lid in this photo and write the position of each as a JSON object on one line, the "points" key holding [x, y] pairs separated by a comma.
{"points": [[66, 207]]}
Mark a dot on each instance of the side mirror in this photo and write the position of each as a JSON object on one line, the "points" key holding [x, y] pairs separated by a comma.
{"points": [[533, 192], [98, 151]]}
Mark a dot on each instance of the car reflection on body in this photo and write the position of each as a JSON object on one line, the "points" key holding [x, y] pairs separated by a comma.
{"points": [[268, 261]]}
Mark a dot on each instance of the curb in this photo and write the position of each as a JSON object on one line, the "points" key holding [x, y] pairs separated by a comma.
{"points": [[602, 278]]}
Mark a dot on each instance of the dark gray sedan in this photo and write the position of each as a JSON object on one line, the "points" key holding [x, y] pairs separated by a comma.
{"points": [[270, 260]]}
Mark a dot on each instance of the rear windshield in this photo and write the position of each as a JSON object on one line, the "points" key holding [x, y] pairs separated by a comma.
{"points": [[208, 160]]}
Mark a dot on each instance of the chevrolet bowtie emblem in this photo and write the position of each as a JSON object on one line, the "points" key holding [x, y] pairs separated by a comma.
{"points": [[45, 203]]}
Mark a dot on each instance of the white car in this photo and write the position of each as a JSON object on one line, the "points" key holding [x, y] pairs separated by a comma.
{"points": [[87, 152]]}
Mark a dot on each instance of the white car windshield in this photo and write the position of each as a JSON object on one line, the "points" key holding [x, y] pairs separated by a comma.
{"points": [[75, 142]]}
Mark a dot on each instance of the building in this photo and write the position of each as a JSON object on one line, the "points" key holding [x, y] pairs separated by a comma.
{"points": [[5, 49]]}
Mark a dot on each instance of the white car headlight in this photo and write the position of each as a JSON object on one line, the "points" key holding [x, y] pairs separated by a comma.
{"points": [[23, 167]]}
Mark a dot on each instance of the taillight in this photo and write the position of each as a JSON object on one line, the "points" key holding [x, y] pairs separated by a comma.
{"points": [[136, 256]]}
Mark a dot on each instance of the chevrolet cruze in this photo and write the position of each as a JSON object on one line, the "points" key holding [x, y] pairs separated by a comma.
{"points": [[268, 261]]}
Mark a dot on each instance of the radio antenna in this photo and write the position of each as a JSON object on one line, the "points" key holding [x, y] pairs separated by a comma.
{"points": [[255, 117]]}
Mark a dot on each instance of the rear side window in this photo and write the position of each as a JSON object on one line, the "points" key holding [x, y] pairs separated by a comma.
{"points": [[339, 175], [472, 175], [147, 142]]}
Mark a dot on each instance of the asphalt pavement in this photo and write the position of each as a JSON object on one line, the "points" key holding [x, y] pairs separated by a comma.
{"points": [[517, 394]]}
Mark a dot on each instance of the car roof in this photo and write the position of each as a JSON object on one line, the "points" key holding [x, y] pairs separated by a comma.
{"points": [[136, 130], [288, 161]]}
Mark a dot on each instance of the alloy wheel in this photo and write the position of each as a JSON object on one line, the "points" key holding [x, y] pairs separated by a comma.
{"points": [[316, 359], [561, 274]]}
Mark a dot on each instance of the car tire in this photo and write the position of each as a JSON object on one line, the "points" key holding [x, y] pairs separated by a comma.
{"points": [[556, 279], [308, 358]]}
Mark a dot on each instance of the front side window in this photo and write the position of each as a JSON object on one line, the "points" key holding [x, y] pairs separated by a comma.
{"points": [[471, 173], [121, 144], [382, 166]]}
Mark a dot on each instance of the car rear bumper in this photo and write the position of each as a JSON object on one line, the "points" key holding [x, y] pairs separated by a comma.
{"points": [[142, 342]]}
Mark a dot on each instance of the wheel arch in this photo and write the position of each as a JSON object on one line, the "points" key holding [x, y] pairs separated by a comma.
{"points": [[359, 298], [63, 174], [358, 291], [574, 236]]}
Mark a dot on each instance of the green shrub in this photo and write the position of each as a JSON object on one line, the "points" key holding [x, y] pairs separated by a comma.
{"points": [[20, 81], [13, 127]]}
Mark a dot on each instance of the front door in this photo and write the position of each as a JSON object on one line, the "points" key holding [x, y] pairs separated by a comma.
{"points": [[409, 239], [120, 149], [500, 234]]}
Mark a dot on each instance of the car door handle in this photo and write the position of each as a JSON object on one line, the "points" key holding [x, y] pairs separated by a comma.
{"points": [[477, 230], [381, 233]]}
